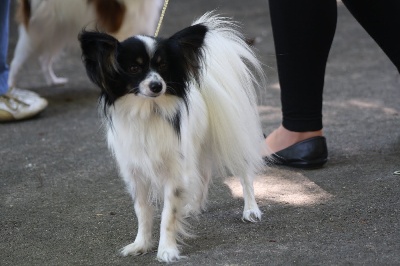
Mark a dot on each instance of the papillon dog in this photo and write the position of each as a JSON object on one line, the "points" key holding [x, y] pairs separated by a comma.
{"points": [[175, 109], [47, 26]]}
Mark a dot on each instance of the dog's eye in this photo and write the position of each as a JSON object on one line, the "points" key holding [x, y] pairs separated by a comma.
{"points": [[162, 67], [135, 70]]}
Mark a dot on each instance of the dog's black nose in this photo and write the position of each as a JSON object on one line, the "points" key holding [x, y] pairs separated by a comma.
{"points": [[155, 86]]}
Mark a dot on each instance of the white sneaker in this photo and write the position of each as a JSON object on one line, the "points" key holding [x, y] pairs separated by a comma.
{"points": [[19, 104]]}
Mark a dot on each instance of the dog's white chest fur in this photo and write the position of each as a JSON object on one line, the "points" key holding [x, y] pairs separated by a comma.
{"points": [[147, 143]]}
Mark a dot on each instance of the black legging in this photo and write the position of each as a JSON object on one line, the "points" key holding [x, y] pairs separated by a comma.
{"points": [[303, 31]]}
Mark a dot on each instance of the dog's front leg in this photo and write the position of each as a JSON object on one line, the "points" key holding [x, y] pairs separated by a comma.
{"points": [[144, 213], [171, 224]]}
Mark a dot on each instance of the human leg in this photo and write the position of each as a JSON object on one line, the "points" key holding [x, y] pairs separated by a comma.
{"points": [[4, 11], [382, 22], [303, 33]]}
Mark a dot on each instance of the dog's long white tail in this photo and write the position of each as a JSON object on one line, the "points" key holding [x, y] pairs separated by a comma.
{"points": [[232, 75]]}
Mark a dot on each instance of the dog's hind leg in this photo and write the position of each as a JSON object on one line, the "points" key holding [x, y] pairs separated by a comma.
{"points": [[23, 51], [144, 213], [251, 211], [46, 62], [171, 224], [206, 173]]}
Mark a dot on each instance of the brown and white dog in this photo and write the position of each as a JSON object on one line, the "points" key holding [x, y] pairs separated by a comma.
{"points": [[48, 26]]}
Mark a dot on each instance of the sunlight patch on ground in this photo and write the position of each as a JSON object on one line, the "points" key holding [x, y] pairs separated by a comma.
{"points": [[373, 105], [297, 190]]}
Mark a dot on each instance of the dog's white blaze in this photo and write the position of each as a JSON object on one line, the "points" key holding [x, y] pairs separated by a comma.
{"points": [[150, 44]]}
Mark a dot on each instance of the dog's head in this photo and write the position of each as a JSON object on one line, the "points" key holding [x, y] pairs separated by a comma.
{"points": [[141, 65]]}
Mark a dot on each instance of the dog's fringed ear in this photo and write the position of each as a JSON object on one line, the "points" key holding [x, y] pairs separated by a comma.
{"points": [[189, 43], [99, 56]]}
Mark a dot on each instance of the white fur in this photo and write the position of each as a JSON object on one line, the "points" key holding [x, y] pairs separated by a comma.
{"points": [[220, 130], [55, 24]]}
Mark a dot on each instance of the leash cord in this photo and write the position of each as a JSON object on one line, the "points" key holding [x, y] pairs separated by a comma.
{"points": [[161, 17]]}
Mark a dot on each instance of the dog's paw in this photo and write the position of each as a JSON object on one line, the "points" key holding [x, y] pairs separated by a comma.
{"points": [[57, 81], [136, 249], [252, 215], [168, 255]]}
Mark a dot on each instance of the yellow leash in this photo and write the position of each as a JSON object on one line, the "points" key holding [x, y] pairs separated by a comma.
{"points": [[161, 17]]}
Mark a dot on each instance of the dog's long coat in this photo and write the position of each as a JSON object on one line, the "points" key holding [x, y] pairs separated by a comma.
{"points": [[175, 109]]}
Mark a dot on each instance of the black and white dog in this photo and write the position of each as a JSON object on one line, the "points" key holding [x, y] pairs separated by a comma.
{"points": [[175, 109]]}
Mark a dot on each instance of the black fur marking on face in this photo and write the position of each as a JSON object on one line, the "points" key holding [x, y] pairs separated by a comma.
{"points": [[181, 59], [134, 60]]}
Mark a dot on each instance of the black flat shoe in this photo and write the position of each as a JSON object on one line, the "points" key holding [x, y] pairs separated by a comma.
{"points": [[308, 154]]}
